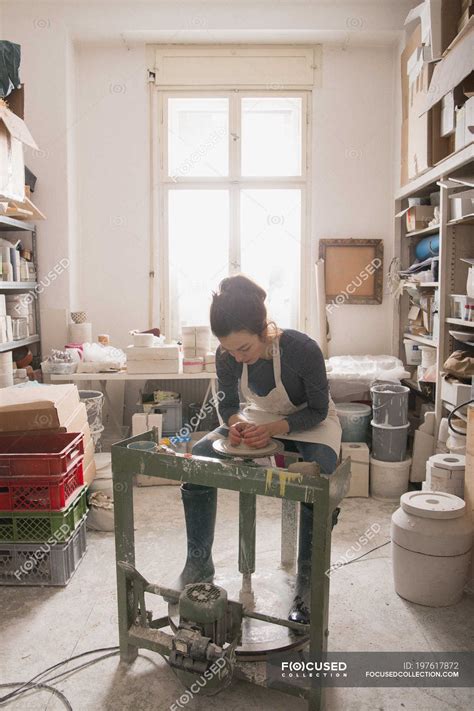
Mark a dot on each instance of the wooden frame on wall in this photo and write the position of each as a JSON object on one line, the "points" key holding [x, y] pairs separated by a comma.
{"points": [[353, 270]]}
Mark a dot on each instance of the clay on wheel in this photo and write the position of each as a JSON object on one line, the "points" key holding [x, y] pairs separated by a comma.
{"points": [[225, 447]]}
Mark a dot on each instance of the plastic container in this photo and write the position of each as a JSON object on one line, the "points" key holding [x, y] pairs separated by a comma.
{"points": [[412, 352], [431, 548], [193, 365], [17, 526], [390, 404], [44, 564], [49, 367], [39, 455], [41, 494], [93, 400], [428, 356], [389, 444], [354, 418]]}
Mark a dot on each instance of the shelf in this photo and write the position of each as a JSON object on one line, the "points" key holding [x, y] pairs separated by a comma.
{"points": [[11, 345], [459, 413], [421, 339], [460, 322], [466, 220], [426, 231], [443, 168], [10, 224], [421, 284], [17, 286]]}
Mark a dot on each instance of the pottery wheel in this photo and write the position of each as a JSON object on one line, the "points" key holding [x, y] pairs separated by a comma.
{"points": [[223, 446]]}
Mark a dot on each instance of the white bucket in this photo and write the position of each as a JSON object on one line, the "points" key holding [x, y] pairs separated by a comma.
{"points": [[428, 356], [412, 352], [388, 480]]}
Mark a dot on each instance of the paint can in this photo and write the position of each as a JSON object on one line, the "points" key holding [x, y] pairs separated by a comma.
{"points": [[390, 404], [354, 418], [389, 444]]}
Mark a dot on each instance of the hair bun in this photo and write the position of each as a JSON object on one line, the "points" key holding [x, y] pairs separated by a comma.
{"points": [[242, 284]]}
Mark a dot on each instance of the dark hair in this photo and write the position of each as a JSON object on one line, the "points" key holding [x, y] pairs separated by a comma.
{"points": [[238, 305]]}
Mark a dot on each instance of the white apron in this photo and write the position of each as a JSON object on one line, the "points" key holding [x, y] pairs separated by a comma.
{"points": [[277, 405]]}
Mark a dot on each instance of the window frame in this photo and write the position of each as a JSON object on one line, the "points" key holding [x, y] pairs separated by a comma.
{"points": [[234, 183]]}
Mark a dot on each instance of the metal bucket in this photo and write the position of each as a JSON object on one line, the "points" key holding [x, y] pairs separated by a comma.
{"points": [[390, 404], [389, 444]]}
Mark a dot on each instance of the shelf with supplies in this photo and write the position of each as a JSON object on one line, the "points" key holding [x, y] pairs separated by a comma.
{"points": [[18, 286], [424, 340], [460, 322], [8, 224], [11, 345], [452, 178]]}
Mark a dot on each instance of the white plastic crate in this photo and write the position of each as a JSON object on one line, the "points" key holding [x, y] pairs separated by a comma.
{"points": [[42, 563]]}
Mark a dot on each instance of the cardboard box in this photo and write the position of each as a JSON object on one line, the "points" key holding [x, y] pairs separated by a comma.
{"points": [[143, 422], [165, 352], [359, 455], [14, 134], [418, 217], [448, 117], [40, 407], [78, 422], [89, 472], [153, 366], [438, 21]]}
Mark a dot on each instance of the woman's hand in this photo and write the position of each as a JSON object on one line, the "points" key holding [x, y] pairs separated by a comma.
{"points": [[236, 432], [258, 436]]}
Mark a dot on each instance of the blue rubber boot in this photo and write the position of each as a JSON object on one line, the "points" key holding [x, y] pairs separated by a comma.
{"points": [[200, 505], [300, 609]]}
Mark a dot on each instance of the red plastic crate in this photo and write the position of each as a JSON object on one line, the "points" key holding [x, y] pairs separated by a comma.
{"points": [[39, 455], [41, 493]]}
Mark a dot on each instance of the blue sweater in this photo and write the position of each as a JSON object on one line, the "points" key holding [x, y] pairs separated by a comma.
{"points": [[303, 374]]}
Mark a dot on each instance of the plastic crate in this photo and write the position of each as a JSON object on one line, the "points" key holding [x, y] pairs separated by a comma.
{"points": [[42, 564], [27, 526], [39, 455], [41, 493]]}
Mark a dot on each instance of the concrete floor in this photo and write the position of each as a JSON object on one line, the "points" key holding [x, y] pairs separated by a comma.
{"points": [[41, 626]]}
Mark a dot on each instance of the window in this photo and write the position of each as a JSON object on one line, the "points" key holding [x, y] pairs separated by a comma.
{"points": [[233, 190]]}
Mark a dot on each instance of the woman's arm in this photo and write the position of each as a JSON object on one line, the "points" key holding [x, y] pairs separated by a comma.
{"points": [[228, 385], [312, 370]]}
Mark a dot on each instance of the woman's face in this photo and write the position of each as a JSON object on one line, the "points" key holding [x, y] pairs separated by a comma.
{"points": [[245, 347]]}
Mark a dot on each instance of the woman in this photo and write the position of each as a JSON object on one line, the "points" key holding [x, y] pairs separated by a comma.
{"points": [[282, 376]]}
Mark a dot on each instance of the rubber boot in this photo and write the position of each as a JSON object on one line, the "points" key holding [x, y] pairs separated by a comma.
{"points": [[300, 609], [200, 504]]}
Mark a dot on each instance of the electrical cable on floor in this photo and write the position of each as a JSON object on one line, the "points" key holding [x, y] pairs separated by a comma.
{"points": [[38, 685], [27, 685], [366, 553], [451, 415]]}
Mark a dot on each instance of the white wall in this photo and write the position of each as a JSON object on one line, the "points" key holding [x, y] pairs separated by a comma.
{"points": [[84, 70]]}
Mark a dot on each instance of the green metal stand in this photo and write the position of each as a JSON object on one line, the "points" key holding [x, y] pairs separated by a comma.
{"points": [[136, 630]]}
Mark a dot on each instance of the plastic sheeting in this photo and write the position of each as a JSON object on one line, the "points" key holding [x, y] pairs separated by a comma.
{"points": [[351, 377]]}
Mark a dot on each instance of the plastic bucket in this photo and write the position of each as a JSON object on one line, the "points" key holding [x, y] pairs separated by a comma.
{"points": [[428, 356], [389, 444], [388, 480], [93, 400], [354, 418], [412, 352], [390, 404]]}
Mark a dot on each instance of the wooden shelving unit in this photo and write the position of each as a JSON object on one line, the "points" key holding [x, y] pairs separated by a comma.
{"points": [[456, 243]]}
